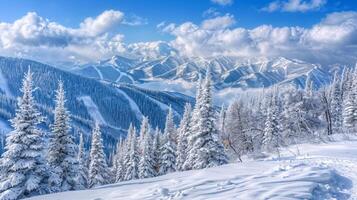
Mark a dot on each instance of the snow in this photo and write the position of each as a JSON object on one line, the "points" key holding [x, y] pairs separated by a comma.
{"points": [[308, 171], [134, 107], [99, 73], [4, 85], [92, 109]]}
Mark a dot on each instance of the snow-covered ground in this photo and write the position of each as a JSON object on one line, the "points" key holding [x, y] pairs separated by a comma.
{"points": [[308, 171]]}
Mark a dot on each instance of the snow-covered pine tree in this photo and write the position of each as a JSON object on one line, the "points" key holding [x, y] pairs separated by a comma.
{"points": [[194, 120], [221, 123], [23, 166], [205, 147], [308, 85], [62, 156], [146, 163], [98, 168], [126, 151], [271, 137], [336, 104], [156, 149], [119, 161], [82, 176], [350, 107], [183, 133], [132, 159], [144, 129], [168, 149]]}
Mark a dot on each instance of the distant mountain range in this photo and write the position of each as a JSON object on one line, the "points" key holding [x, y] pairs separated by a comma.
{"points": [[227, 72], [115, 106]]}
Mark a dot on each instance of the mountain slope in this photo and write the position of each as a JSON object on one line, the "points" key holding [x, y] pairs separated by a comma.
{"points": [[226, 72], [324, 171], [87, 99]]}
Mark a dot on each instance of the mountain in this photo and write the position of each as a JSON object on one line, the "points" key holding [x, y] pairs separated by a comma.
{"points": [[226, 72], [115, 106]]}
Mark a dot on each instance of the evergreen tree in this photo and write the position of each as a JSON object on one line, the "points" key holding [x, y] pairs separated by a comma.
{"points": [[98, 168], [206, 149], [82, 179], [146, 164], [350, 108], [156, 149], [62, 150], [119, 161], [144, 129], [183, 133], [221, 123], [336, 104], [168, 150], [132, 162], [271, 137], [23, 168], [194, 120], [308, 85]]}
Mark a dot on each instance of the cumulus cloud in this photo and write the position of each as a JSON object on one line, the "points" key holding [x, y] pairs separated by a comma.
{"points": [[102, 23], [295, 5], [223, 2], [330, 40], [33, 36]]}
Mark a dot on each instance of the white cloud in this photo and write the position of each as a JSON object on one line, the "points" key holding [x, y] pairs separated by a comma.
{"points": [[223, 2], [32, 36], [102, 23], [35, 37], [134, 20], [218, 22], [211, 12], [295, 5], [333, 39]]}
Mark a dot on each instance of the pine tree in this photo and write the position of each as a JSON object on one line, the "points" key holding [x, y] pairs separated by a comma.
{"points": [[23, 168], [350, 108], [144, 129], [82, 178], [336, 104], [62, 150], [146, 164], [132, 160], [194, 120], [168, 150], [119, 161], [206, 149], [308, 85], [156, 149], [98, 168], [221, 123], [183, 133], [271, 137]]}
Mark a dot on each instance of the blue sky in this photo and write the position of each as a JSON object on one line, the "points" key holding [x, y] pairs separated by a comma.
{"points": [[80, 31], [248, 13]]}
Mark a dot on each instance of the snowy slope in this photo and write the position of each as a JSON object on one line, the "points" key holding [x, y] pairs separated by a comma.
{"points": [[226, 72], [92, 109], [309, 171]]}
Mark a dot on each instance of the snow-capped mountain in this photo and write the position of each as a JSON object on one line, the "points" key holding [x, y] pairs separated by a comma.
{"points": [[115, 106], [226, 72]]}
